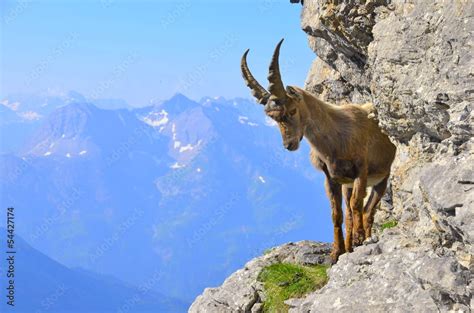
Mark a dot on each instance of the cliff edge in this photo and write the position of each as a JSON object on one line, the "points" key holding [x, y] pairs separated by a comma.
{"points": [[413, 60]]}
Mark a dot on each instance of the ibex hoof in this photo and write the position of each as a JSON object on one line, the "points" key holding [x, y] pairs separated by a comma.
{"points": [[358, 239], [335, 255]]}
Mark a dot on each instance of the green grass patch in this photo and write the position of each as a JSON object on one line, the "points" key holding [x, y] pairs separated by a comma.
{"points": [[389, 224], [283, 281]]}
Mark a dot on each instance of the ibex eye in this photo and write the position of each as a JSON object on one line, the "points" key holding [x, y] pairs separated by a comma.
{"points": [[293, 111]]}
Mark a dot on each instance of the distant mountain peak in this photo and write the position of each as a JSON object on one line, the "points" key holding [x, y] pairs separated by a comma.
{"points": [[177, 104], [74, 96], [80, 105], [179, 97]]}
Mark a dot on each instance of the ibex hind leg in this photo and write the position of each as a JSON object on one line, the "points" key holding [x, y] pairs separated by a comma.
{"points": [[371, 206], [357, 208], [347, 193]]}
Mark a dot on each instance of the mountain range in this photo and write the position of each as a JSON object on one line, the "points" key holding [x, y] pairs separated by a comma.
{"points": [[189, 188]]}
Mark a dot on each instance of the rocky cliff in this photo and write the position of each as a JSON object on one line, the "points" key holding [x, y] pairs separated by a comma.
{"points": [[413, 60]]}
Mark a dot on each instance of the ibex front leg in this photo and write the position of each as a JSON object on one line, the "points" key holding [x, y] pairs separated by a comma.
{"points": [[357, 204], [334, 193]]}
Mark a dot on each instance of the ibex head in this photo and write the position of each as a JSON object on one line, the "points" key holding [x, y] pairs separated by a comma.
{"points": [[286, 107]]}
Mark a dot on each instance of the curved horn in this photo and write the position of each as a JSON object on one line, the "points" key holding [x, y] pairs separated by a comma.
{"points": [[257, 90], [276, 86]]}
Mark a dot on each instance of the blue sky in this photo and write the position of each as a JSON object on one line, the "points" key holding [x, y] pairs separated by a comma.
{"points": [[143, 51]]}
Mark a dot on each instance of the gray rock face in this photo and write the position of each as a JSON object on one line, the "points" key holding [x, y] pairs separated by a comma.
{"points": [[418, 71], [340, 35], [241, 292], [422, 71], [413, 60]]}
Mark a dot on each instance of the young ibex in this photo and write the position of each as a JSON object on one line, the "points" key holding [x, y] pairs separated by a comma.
{"points": [[346, 145]]}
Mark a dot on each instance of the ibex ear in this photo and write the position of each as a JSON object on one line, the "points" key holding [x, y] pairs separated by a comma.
{"points": [[293, 93]]}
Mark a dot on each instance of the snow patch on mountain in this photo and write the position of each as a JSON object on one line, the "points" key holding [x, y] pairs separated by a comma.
{"points": [[176, 166], [30, 115], [186, 148], [11, 105], [245, 120], [189, 146], [173, 131], [157, 119]]}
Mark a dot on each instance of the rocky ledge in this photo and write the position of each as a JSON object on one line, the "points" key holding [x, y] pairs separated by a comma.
{"points": [[242, 292]]}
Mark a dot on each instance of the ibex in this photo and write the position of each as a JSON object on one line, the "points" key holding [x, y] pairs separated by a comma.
{"points": [[346, 145]]}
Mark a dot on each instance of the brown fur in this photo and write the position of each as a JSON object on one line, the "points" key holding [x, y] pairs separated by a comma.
{"points": [[349, 148]]}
